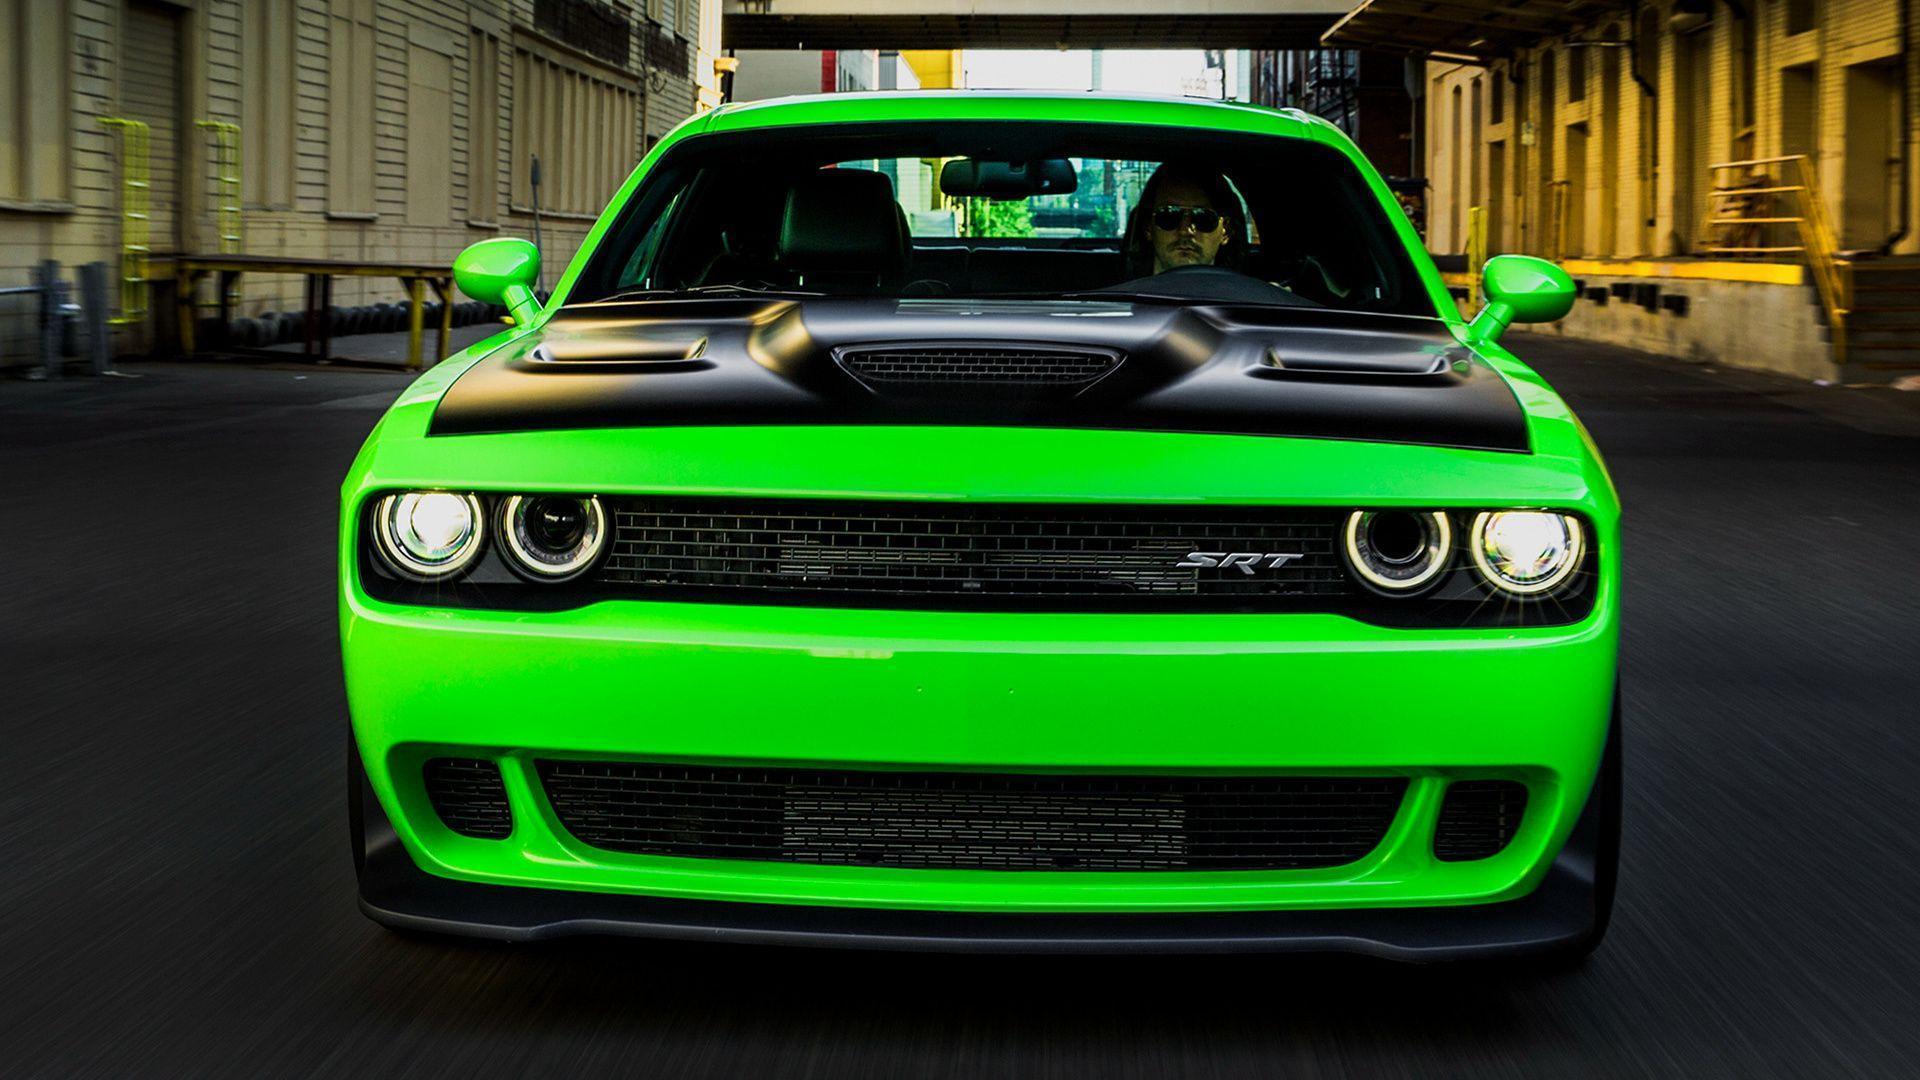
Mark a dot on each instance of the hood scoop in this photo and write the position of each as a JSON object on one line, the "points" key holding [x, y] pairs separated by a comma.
{"points": [[939, 367], [1363, 364], [637, 348]]}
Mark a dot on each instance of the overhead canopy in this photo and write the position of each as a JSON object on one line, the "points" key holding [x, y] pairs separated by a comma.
{"points": [[1474, 29], [1043, 31], [1026, 24]]}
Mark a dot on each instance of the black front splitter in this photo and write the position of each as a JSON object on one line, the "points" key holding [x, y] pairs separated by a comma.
{"points": [[1554, 918]]}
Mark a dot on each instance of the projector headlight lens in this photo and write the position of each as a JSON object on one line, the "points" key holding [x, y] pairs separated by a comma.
{"points": [[1526, 552], [428, 534], [553, 537], [1398, 551]]}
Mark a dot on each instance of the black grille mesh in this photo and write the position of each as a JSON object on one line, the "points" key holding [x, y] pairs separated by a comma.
{"points": [[1478, 819], [970, 366], [973, 820], [469, 797], [903, 553]]}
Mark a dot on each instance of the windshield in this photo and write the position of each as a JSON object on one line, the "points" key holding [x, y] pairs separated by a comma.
{"points": [[1008, 210]]}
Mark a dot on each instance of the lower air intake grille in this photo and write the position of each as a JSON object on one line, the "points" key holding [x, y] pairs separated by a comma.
{"points": [[895, 554], [905, 368], [469, 797], [1478, 819], [973, 820]]}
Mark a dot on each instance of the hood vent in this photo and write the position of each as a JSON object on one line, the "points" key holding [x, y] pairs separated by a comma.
{"points": [[1435, 363], [896, 368]]}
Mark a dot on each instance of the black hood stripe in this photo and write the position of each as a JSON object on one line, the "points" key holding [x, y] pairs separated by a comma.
{"points": [[1221, 370]]}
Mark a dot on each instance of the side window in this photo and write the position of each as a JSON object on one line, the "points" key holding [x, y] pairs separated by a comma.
{"points": [[1245, 210], [636, 274], [1336, 258]]}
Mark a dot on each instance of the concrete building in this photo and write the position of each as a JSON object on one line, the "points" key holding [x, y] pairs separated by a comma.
{"points": [[1728, 180], [772, 73], [1364, 93], [347, 129]]}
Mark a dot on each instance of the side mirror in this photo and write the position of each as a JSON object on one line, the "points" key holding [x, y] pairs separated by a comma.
{"points": [[1520, 288], [501, 271]]}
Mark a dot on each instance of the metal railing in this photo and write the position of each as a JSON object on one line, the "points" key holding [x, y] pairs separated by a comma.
{"points": [[63, 328], [226, 195], [1476, 253], [1751, 203], [226, 182], [136, 217]]}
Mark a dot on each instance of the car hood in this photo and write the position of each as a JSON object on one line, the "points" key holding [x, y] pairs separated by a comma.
{"points": [[1119, 364]]}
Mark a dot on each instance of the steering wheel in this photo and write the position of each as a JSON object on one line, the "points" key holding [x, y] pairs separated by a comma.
{"points": [[1215, 284], [1198, 271]]}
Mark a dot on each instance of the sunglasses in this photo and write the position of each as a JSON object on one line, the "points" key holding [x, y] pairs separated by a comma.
{"points": [[1175, 218]]}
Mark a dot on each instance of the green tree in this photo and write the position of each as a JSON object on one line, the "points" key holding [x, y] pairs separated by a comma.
{"points": [[985, 217]]}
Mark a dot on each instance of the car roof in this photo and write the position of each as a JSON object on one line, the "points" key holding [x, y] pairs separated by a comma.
{"points": [[1050, 106]]}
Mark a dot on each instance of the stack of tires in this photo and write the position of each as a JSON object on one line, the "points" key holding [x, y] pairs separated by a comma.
{"points": [[290, 327]]}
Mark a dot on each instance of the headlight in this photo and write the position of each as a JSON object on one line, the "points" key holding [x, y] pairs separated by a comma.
{"points": [[1398, 551], [428, 534], [1526, 552], [553, 537]]}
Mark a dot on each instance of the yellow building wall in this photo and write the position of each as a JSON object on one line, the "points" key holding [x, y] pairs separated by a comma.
{"points": [[1576, 161], [368, 133], [1647, 197], [937, 69]]}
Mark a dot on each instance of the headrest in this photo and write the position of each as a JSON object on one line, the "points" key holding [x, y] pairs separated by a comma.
{"points": [[842, 221]]}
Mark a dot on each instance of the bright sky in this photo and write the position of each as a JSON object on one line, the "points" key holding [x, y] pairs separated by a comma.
{"points": [[1171, 72]]}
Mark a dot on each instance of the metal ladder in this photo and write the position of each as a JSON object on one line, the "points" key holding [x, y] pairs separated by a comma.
{"points": [[136, 215], [226, 181], [1744, 217]]}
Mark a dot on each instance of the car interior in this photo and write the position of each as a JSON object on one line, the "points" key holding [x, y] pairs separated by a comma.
{"points": [[1309, 230]]}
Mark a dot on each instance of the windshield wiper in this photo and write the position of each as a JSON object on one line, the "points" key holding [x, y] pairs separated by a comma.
{"points": [[1124, 294], [725, 289], [1177, 298]]}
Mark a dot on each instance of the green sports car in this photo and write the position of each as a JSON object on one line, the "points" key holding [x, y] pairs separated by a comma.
{"points": [[990, 522]]}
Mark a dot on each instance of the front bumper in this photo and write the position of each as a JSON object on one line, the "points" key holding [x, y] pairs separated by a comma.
{"points": [[1567, 912], [929, 691]]}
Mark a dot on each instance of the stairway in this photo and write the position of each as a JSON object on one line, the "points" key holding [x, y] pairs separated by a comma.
{"points": [[1883, 323]]}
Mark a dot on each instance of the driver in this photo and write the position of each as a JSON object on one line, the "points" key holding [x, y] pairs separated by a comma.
{"points": [[1185, 218]]}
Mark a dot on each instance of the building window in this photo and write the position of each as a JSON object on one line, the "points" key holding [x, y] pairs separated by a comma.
{"points": [[593, 28], [1746, 67], [664, 12], [666, 53], [555, 104], [483, 147], [267, 122], [34, 129], [1497, 96], [350, 108], [1802, 16], [1577, 71], [690, 20], [1475, 121]]}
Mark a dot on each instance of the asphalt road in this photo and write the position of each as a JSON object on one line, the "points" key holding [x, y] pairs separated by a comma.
{"points": [[176, 898]]}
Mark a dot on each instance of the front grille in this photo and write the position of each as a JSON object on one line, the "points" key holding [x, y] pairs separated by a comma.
{"points": [[973, 820], [469, 797], [905, 554], [976, 366], [1478, 819]]}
